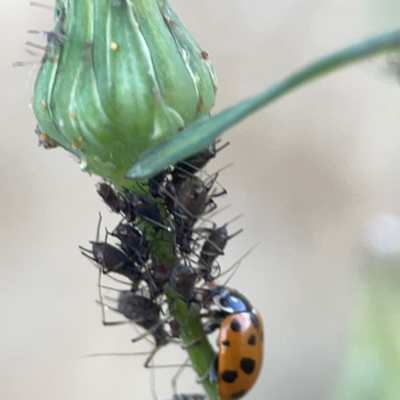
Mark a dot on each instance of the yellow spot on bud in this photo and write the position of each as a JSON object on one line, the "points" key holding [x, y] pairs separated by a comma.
{"points": [[113, 46], [76, 143], [72, 116], [196, 78], [43, 137], [43, 105]]}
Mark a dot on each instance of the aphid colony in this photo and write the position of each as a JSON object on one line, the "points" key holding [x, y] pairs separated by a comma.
{"points": [[164, 238]]}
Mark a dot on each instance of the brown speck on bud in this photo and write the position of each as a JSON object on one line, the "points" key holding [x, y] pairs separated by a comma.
{"points": [[167, 19], [199, 104], [71, 116], [204, 55], [76, 143], [45, 140]]}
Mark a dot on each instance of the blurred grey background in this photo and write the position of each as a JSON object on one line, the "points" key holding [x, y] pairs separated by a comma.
{"points": [[309, 174]]}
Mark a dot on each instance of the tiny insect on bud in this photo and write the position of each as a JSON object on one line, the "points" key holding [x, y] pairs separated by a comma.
{"points": [[117, 78]]}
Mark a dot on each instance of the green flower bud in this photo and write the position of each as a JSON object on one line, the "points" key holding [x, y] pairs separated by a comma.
{"points": [[118, 77]]}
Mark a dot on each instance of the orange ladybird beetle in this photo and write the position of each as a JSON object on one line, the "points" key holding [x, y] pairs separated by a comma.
{"points": [[240, 343]]}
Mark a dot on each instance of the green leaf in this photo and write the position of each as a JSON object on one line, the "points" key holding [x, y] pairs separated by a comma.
{"points": [[202, 132]]}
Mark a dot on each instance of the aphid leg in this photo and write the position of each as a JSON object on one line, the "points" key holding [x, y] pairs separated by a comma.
{"points": [[151, 356], [150, 331], [236, 265], [211, 374]]}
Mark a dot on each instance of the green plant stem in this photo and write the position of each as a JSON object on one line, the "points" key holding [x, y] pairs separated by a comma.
{"points": [[162, 245], [192, 333], [204, 131]]}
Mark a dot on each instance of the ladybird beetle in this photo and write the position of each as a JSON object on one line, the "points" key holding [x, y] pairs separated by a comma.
{"points": [[240, 343]]}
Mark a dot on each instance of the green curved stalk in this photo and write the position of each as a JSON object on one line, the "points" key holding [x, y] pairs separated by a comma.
{"points": [[192, 333], [201, 133]]}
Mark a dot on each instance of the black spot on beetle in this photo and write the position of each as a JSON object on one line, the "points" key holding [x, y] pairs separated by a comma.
{"points": [[247, 365], [235, 325], [229, 376], [254, 320], [226, 343], [238, 394], [251, 340]]}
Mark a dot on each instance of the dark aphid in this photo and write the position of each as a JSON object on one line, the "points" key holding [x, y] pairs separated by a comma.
{"points": [[170, 197], [212, 248], [192, 197], [118, 204], [182, 280], [175, 327], [193, 164], [145, 313], [45, 140], [112, 259], [127, 210], [144, 208], [132, 243], [156, 182], [191, 202], [155, 284], [149, 213], [161, 269], [110, 197]]}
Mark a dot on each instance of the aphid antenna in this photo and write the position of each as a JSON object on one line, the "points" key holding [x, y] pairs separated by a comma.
{"points": [[151, 330], [98, 227], [214, 225], [184, 162], [223, 146], [33, 53], [83, 250], [23, 63], [141, 353], [211, 215], [100, 270], [187, 214], [218, 171], [187, 259], [153, 382], [169, 229], [35, 45], [109, 276], [237, 264], [28, 63], [113, 289], [179, 204], [111, 323], [41, 5], [109, 298], [38, 32], [178, 373], [213, 179]]}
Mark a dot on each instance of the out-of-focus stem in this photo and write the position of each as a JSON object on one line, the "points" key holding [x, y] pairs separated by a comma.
{"points": [[372, 362]]}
